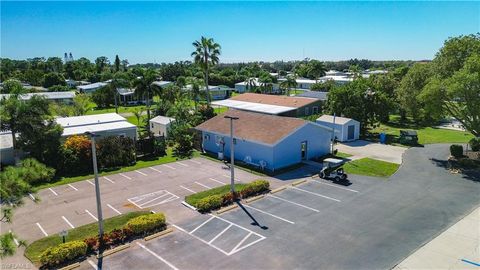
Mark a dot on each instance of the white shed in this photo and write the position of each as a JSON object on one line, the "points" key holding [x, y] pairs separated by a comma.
{"points": [[159, 125], [346, 129]]}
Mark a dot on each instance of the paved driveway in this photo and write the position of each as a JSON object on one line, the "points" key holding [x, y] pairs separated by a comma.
{"points": [[371, 224], [361, 149]]}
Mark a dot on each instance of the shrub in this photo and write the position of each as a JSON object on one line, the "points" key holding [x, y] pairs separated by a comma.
{"points": [[475, 144], [63, 253], [467, 163], [146, 223], [92, 244], [456, 150], [209, 203], [254, 188], [34, 172], [116, 151]]}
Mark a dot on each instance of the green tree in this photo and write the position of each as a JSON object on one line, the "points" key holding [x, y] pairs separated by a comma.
{"points": [[115, 151], [104, 97], [12, 86], [410, 88], [455, 51], [316, 69], [117, 63], [288, 84], [53, 78], [101, 63], [357, 100], [144, 88], [81, 104], [206, 55]]}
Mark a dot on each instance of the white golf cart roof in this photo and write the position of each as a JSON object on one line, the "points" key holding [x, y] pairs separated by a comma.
{"points": [[334, 160]]}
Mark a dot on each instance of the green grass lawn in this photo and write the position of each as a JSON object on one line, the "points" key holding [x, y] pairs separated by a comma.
{"points": [[133, 120], [220, 110], [194, 198], [141, 163], [35, 249], [342, 155], [121, 109], [371, 167], [426, 135]]}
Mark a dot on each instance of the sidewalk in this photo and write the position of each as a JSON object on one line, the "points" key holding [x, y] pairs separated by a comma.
{"points": [[456, 248]]}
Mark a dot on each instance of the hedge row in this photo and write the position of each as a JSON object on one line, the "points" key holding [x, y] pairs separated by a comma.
{"points": [[215, 201], [137, 226]]}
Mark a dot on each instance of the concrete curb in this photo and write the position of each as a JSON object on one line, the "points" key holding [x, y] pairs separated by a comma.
{"points": [[155, 235], [296, 183], [189, 206], [113, 250], [278, 189], [254, 198], [71, 266], [225, 209]]}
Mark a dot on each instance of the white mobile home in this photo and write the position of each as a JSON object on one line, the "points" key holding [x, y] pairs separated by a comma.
{"points": [[159, 125], [346, 129]]}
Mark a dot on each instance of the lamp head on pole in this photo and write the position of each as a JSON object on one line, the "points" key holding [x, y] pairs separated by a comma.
{"points": [[231, 117]]}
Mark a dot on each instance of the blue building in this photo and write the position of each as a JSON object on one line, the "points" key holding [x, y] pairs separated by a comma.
{"points": [[267, 141]]}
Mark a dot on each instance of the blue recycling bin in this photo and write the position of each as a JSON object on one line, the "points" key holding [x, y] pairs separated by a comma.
{"points": [[383, 138]]}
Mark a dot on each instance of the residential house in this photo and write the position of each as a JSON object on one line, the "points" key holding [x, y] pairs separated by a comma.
{"points": [[59, 97], [267, 141], [273, 104]]}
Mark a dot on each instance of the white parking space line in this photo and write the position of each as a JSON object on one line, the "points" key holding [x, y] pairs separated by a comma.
{"points": [[194, 161], [228, 176], [14, 239], [41, 229], [153, 169], [125, 176], [93, 264], [222, 232], [270, 214], [113, 208], [335, 186], [94, 217], [215, 180], [241, 242], [200, 239], [90, 182], [145, 200], [157, 256], [31, 196], [183, 164], [74, 188], [137, 171], [54, 193], [109, 180], [294, 203], [201, 225], [68, 222], [154, 199], [200, 184], [170, 167], [210, 243], [316, 194], [187, 189]]}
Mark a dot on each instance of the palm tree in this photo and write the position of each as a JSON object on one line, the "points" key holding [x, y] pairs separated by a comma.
{"points": [[251, 83], [316, 69], [206, 55], [144, 88], [288, 84]]}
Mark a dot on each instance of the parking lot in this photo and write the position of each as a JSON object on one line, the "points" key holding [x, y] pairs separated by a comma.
{"points": [[372, 223], [159, 188]]}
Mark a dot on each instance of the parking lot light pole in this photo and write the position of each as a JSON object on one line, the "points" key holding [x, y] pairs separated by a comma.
{"points": [[97, 188], [232, 155]]}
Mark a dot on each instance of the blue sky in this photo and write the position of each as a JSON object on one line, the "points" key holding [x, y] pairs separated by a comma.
{"points": [[247, 31]]}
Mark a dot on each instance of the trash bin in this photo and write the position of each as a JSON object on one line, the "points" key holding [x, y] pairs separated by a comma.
{"points": [[383, 138]]}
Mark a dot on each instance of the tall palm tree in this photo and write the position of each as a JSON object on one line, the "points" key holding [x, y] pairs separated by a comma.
{"points": [[144, 88], [206, 55], [251, 84], [316, 69], [289, 83]]}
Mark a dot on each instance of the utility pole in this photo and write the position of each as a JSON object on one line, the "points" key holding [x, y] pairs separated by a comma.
{"points": [[333, 133], [232, 155], [97, 190]]}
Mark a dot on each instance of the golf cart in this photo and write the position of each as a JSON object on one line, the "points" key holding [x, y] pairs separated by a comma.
{"points": [[332, 169]]}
